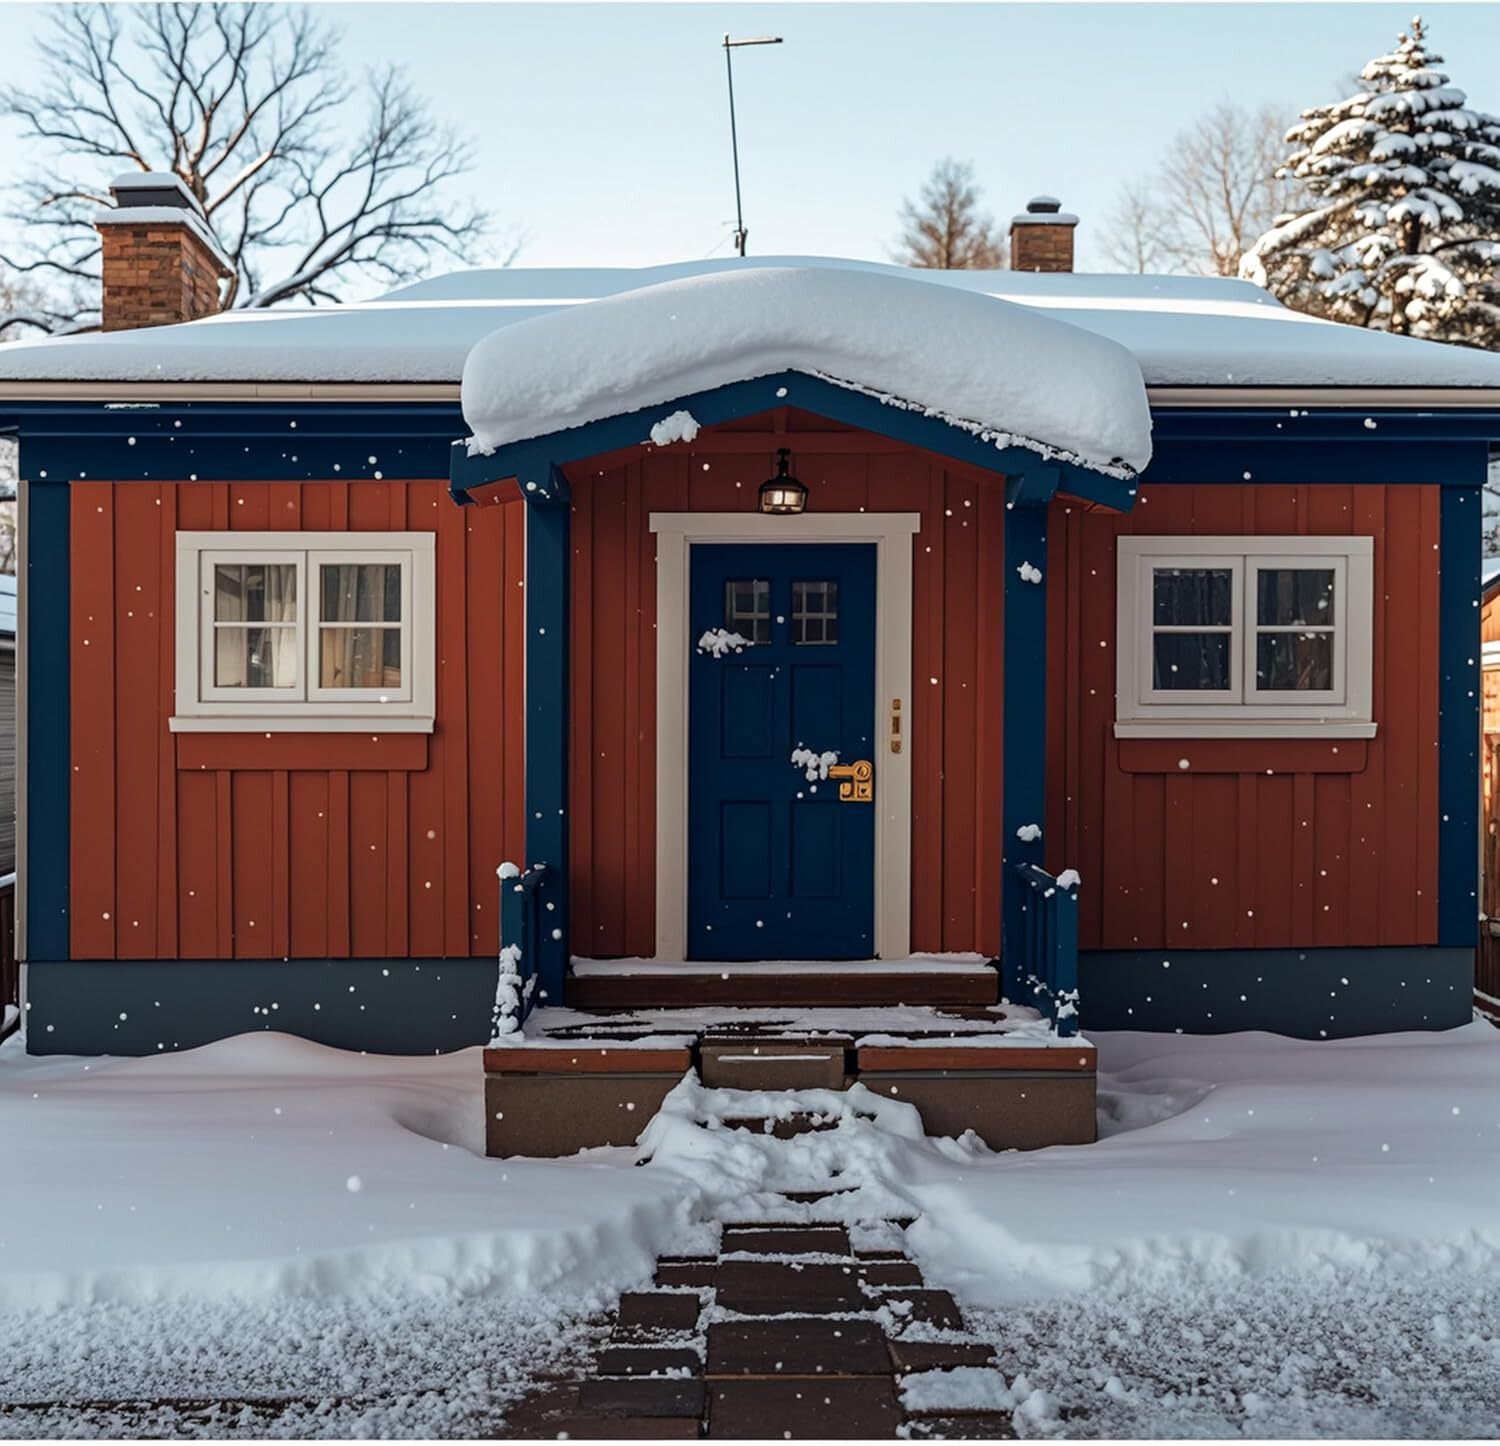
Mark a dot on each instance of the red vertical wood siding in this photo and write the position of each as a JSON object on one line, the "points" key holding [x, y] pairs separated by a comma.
{"points": [[171, 862], [953, 715], [1245, 855]]}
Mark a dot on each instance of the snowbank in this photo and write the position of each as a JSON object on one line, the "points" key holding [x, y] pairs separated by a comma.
{"points": [[986, 365], [1239, 1155], [265, 1166]]}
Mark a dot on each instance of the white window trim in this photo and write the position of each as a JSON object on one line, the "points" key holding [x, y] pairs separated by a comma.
{"points": [[1142, 711], [202, 708]]}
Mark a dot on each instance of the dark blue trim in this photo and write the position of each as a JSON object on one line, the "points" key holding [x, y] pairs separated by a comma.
{"points": [[1347, 425], [48, 778], [233, 442], [384, 1006], [1280, 446], [1024, 735], [1458, 716], [783, 389], [547, 689], [1307, 993]]}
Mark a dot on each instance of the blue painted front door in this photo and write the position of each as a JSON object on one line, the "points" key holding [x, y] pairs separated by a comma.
{"points": [[778, 866]]}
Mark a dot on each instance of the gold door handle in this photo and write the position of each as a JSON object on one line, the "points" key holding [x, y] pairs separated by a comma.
{"points": [[857, 783]]}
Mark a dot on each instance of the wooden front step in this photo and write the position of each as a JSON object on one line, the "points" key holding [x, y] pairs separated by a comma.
{"points": [[746, 987]]}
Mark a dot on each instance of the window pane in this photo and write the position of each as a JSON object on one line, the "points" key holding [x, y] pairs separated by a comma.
{"points": [[747, 608], [359, 657], [255, 592], [1286, 595], [1192, 596], [815, 613], [1191, 660], [255, 657], [1294, 662], [365, 592]]}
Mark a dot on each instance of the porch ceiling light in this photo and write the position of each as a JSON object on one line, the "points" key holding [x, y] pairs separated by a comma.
{"points": [[783, 492]]}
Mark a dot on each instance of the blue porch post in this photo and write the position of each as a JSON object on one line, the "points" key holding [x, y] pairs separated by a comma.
{"points": [[547, 555], [1024, 736]]}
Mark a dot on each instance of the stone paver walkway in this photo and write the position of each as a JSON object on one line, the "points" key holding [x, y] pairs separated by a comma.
{"points": [[792, 1330]]}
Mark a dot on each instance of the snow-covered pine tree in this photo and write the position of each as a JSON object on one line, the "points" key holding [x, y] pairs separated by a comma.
{"points": [[1402, 232]]}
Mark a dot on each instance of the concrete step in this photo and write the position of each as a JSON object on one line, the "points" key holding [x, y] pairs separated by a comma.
{"points": [[774, 1062], [819, 987]]}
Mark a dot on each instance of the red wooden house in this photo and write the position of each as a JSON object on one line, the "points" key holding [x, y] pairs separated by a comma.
{"points": [[299, 674]]}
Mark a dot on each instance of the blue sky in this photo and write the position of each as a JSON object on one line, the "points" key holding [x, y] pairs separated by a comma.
{"points": [[602, 129]]}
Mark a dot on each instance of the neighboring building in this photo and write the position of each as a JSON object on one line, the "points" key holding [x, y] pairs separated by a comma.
{"points": [[288, 705], [1487, 971], [7, 724]]}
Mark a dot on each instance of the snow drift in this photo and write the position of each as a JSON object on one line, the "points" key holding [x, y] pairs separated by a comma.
{"points": [[990, 366]]}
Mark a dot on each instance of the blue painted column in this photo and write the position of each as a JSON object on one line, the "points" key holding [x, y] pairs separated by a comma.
{"points": [[1024, 764], [1459, 716], [48, 780], [548, 505]]}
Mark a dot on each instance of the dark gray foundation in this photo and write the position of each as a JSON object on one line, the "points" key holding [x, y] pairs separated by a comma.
{"points": [[1306, 993], [382, 1006]]}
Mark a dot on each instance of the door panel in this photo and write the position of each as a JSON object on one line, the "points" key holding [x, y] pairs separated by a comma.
{"points": [[778, 866]]}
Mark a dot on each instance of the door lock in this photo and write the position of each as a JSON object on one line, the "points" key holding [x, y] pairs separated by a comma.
{"points": [[857, 783], [895, 725]]}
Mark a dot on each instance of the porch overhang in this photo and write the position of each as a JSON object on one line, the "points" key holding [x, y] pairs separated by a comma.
{"points": [[533, 463]]}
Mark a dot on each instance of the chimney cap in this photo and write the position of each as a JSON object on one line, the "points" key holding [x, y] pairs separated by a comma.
{"points": [[153, 188], [1044, 211]]}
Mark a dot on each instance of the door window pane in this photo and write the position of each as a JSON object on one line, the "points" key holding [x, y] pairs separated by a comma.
{"points": [[1292, 595], [255, 625], [1192, 596], [747, 608], [1191, 660], [815, 613], [1294, 662]]}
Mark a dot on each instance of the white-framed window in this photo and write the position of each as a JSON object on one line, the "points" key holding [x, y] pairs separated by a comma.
{"points": [[305, 631], [1244, 637]]}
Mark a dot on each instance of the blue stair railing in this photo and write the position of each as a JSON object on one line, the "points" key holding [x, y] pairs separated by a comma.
{"points": [[1049, 968], [520, 929]]}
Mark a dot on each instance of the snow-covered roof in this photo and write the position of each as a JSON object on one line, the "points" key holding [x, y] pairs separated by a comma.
{"points": [[1000, 370], [1184, 331]]}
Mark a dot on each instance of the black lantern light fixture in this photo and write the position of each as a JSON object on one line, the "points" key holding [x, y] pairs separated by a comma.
{"points": [[783, 493]]}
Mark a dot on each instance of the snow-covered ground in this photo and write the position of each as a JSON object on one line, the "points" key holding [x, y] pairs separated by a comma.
{"points": [[1273, 1238]]}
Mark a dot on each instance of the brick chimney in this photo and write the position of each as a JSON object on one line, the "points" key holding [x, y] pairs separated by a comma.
{"points": [[1041, 238], [161, 262]]}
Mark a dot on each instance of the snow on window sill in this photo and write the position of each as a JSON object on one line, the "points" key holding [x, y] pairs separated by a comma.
{"points": [[298, 723], [1241, 728]]}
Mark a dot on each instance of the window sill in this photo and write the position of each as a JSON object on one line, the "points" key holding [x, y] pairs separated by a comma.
{"points": [[242, 723], [1309, 728], [304, 752]]}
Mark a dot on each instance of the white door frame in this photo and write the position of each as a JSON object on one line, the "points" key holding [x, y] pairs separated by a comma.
{"points": [[891, 533]]}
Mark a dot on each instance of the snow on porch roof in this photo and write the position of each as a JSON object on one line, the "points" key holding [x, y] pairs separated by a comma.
{"points": [[989, 367]]}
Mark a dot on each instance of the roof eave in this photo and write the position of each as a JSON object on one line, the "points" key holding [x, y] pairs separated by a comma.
{"points": [[54, 390]]}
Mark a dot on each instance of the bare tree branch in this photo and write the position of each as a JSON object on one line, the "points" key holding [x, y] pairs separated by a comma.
{"points": [[1214, 192], [242, 102], [945, 227]]}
